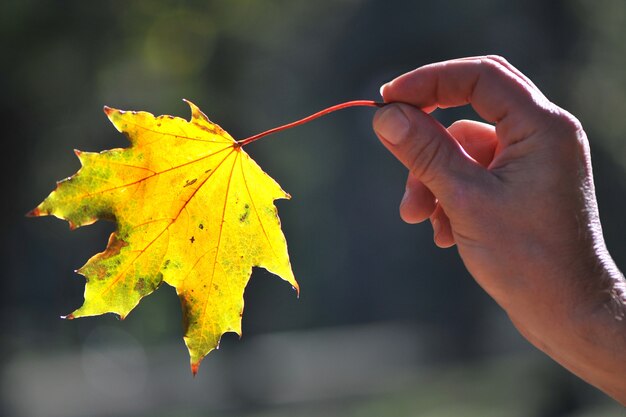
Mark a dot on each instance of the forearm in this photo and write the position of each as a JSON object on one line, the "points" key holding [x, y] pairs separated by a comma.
{"points": [[590, 339]]}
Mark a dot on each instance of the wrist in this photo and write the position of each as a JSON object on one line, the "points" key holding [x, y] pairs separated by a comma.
{"points": [[603, 320], [585, 331]]}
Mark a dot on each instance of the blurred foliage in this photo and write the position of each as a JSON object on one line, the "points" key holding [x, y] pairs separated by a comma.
{"points": [[598, 90], [252, 65]]}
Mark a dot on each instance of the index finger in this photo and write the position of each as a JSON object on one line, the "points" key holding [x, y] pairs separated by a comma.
{"points": [[496, 91]]}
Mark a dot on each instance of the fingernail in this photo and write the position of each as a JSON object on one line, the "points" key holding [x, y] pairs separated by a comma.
{"points": [[382, 88], [392, 124], [436, 227], [405, 197]]}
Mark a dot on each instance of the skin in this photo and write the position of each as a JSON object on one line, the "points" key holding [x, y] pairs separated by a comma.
{"points": [[516, 196]]}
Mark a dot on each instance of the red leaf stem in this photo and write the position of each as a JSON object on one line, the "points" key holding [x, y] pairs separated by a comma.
{"points": [[340, 106]]}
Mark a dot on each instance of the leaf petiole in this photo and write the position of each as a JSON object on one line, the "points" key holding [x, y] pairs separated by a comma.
{"points": [[340, 106]]}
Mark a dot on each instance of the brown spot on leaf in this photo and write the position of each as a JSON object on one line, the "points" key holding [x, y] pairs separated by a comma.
{"points": [[99, 271], [245, 214], [192, 239], [114, 247], [210, 129], [140, 285], [189, 182]]}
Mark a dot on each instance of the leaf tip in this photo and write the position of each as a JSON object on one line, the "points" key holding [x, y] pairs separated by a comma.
{"points": [[196, 113], [78, 154], [34, 212], [68, 317], [194, 368], [108, 110]]}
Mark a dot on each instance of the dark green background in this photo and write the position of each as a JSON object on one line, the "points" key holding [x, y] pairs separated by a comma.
{"points": [[387, 324]]}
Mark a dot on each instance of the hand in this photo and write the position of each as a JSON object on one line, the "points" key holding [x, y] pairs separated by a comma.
{"points": [[518, 200]]}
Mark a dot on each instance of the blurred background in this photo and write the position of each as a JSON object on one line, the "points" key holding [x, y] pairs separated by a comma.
{"points": [[386, 324]]}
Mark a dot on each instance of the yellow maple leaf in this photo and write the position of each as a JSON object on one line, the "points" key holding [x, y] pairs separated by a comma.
{"points": [[192, 210]]}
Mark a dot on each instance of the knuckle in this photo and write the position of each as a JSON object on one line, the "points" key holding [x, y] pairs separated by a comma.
{"points": [[426, 155], [497, 58], [491, 65], [569, 123], [564, 128]]}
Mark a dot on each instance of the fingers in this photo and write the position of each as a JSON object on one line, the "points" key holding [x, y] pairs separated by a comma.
{"points": [[478, 139], [479, 142], [496, 90], [442, 230], [502, 61], [447, 167], [430, 153], [418, 202]]}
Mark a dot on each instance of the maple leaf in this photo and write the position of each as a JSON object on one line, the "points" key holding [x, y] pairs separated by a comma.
{"points": [[192, 210]]}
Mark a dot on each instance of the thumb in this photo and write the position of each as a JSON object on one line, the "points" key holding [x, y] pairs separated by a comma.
{"points": [[426, 148]]}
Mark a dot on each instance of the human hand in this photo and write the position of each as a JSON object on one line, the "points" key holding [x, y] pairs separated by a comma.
{"points": [[518, 200]]}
